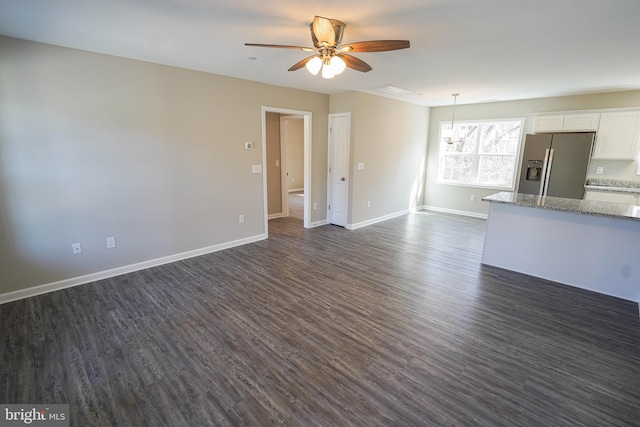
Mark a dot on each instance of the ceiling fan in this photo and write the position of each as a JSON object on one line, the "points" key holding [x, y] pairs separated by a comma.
{"points": [[332, 56]]}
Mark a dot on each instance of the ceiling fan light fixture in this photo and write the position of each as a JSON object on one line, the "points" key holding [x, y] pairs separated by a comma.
{"points": [[337, 64], [314, 65], [327, 71], [326, 35]]}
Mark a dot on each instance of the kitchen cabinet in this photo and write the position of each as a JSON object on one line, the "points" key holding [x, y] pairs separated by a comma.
{"points": [[548, 123], [590, 245], [566, 122], [609, 196], [581, 122], [618, 135]]}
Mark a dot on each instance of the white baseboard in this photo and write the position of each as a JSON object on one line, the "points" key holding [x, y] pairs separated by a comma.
{"points": [[81, 280], [376, 220], [318, 223], [275, 215], [453, 211], [294, 190]]}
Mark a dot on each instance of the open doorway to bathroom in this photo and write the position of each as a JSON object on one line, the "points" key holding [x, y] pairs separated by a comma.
{"points": [[286, 148]]}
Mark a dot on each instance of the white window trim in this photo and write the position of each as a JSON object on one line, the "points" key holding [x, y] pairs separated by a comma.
{"points": [[476, 155]]}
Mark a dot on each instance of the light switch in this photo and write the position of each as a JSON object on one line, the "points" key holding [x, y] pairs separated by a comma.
{"points": [[256, 168], [277, 163], [360, 166]]}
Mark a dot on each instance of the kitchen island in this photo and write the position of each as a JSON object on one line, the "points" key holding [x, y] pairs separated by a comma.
{"points": [[584, 243]]}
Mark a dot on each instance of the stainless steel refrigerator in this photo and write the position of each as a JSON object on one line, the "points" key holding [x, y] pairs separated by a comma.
{"points": [[556, 164]]}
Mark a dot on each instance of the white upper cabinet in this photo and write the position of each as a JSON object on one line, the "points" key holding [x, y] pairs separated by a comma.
{"points": [[548, 123], [566, 122], [618, 135], [581, 122]]}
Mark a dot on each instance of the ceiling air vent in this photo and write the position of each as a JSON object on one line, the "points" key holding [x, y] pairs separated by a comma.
{"points": [[391, 89]]}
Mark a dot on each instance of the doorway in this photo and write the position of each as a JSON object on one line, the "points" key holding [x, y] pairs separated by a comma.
{"points": [[292, 159], [305, 117]]}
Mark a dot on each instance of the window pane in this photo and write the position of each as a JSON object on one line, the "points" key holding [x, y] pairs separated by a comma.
{"points": [[482, 153], [496, 171], [457, 167], [500, 138], [465, 138]]}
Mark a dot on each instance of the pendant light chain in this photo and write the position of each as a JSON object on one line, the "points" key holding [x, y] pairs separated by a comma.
{"points": [[453, 116]]}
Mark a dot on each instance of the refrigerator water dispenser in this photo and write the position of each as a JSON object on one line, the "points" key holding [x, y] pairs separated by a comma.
{"points": [[534, 170]]}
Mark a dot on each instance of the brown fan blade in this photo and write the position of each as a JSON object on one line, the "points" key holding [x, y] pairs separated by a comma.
{"points": [[355, 63], [322, 32], [281, 46], [302, 63], [375, 46]]}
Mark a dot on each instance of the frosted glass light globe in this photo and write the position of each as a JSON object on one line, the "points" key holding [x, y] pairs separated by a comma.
{"points": [[314, 65]]}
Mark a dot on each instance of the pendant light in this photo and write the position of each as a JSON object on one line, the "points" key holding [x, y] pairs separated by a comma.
{"points": [[448, 135]]}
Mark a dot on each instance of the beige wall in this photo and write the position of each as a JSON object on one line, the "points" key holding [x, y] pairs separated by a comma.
{"points": [[458, 198], [95, 146], [295, 153], [389, 137]]}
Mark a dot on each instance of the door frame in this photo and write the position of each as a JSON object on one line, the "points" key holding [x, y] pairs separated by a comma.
{"points": [[307, 117], [330, 149]]}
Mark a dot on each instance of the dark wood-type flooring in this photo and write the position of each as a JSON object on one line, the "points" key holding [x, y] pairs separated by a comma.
{"points": [[395, 324]]}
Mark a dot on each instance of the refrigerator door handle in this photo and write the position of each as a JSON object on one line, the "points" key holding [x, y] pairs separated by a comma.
{"points": [[548, 163], [545, 173]]}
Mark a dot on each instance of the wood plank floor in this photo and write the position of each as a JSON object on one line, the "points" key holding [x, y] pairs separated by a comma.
{"points": [[395, 324]]}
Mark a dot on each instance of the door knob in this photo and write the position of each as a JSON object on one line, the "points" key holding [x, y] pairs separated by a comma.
{"points": [[342, 179]]}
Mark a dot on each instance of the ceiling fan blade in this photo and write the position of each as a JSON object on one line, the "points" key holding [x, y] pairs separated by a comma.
{"points": [[355, 63], [322, 32], [375, 46], [302, 63], [281, 46]]}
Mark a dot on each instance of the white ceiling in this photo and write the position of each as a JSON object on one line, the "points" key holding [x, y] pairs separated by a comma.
{"points": [[483, 49]]}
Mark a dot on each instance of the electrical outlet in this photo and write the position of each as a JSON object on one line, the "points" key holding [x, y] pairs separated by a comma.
{"points": [[368, 204], [599, 170], [473, 197], [111, 242], [315, 205], [76, 248], [241, 219], [248, 145]]}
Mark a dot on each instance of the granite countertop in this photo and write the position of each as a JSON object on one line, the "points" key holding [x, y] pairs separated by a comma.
{"points": [[587, 207], [613, 186]]}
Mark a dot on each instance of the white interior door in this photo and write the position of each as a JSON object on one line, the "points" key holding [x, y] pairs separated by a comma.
{"points": [[338, 185]]}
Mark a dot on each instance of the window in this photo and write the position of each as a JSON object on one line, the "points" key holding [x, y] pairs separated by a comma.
{"points": [[482, 154]]}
